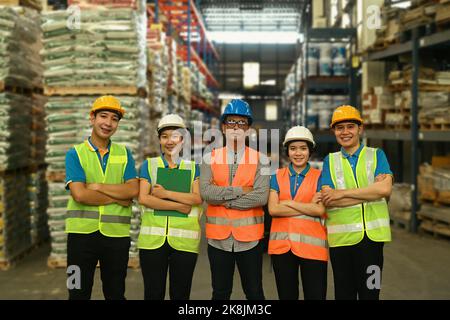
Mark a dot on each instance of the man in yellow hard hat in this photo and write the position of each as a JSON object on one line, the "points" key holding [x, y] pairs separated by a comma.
{"points": [[102, 180], [354, 185]]}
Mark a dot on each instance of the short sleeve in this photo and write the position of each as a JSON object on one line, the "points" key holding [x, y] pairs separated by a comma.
{"points": [[382, 164], [274, 183], [325, 176], [74, 170], [197, 172], [143, 173], [130, 169]]}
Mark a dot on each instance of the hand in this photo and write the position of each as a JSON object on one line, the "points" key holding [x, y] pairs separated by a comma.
{"points": [[380, 177], [246, 190], [93, 186], [159, 191], [330, 195], [317, 197], [184, 208], [124, 203]]}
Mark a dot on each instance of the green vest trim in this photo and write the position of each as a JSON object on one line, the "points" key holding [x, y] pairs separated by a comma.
{"points": [[346, 226], [182, 233], [112, 220]]}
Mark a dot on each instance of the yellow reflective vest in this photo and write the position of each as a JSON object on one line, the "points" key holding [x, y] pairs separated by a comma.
{"points": [[181, 233], [346, 226], [112, 220]]}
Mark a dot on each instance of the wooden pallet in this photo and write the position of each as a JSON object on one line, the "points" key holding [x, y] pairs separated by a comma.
{"points": [[114, 90], [56, 263], [402, 220], [435, 220], [56, 176], [10, 262]]}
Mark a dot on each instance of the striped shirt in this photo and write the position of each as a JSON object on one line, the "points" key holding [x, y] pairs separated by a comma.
{"points": [[233, 197]]}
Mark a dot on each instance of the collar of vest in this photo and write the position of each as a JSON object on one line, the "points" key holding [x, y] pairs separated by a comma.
{"points": [[356, 154], [93, 148]]}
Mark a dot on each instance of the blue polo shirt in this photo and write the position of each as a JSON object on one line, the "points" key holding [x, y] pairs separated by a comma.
{"points": [[144, 174], [75, 172], [295, 180], [381, 168]]}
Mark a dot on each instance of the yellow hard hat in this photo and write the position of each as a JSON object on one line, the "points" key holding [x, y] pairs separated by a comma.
{"points": [[345, 112], [108, 103]]}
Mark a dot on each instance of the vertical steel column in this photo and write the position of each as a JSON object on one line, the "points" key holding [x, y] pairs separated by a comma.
{"points": [[414, 128], [189, 33], [156, 12]]}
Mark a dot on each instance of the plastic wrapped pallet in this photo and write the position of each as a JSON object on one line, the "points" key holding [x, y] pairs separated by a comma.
{"points": [[19, 48], [38, 131], [107, 48], [38, 191], [15, 124], [15, 224]]}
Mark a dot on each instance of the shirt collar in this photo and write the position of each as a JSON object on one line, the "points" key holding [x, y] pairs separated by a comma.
{"points": [[356, 154], [166, 164], [292, 172], [92, 147]]}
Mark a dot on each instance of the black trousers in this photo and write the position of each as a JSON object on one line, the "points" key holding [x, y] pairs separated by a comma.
{"points": [[84, 251], [313, 272], [249, 264], [154, 266], [355, 269]]}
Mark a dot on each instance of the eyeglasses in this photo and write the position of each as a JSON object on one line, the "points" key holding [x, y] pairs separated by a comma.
{"points": [[232, 123]]}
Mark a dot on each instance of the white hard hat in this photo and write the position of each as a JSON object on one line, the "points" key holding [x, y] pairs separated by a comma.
{"points": [[299, 133], [171, 120]]}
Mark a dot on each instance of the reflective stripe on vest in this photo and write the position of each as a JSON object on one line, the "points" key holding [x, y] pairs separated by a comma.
{"points": [[111, 220], [304, 235], [182, 233], [346, 226], [221, 222]]}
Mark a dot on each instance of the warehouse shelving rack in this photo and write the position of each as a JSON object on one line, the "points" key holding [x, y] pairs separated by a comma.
{"points": [[183, 18], [414, 47]]}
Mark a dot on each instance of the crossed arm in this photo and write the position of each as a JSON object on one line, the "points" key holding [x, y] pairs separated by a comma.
{"points": [[158, 198], [290, 208], [381, 188], [97, 194]]}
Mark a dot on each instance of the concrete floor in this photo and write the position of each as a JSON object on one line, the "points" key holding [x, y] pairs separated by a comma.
{"points": [[416, 267]]}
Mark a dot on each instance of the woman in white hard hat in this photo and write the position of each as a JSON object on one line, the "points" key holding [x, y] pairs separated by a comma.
{"points": [[169, 242], [298, 238]]}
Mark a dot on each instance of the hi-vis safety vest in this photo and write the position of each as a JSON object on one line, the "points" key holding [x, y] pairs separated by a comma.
{"points": [[346, 226], [182, 233], [245, 225], [304, 235], [112, 220]]}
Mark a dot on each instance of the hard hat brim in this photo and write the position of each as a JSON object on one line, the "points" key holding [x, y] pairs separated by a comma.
{"points": [[118, 112], [297, 139], [177, 125], [346, 119]]}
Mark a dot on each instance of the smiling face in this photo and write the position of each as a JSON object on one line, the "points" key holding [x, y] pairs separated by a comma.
{"points": [[104, 124], [235, 128], [171, 141], [298, 153], [348, 134]]}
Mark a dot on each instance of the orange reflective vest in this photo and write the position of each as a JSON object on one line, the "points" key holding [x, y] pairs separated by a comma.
{"points": [[245, 225], [304, 235]]}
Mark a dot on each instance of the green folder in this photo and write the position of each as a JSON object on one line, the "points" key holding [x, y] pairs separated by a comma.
{"points": [[173, 180]]}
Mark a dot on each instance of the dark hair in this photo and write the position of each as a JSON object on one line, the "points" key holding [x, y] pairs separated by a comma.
{"points": [[160, 132], [109, 110], [308, 143]]}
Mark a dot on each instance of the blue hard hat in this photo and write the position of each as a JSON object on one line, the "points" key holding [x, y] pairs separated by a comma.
{"points": [[237, 107]]}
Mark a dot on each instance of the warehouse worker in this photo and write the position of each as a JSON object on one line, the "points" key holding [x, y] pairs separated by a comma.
{"points": [[355, 183], [102, 180], [232, 184], [298, 237], [169, 243]]}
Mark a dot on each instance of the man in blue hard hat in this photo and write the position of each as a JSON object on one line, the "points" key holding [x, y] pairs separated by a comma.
{"points": [[235, 190]]}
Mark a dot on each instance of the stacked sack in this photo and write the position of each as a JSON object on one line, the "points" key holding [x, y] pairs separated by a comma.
{"points": [[107, 48]]}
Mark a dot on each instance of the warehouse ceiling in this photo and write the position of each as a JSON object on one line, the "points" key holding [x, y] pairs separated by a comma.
{"points": [[252, 15]]}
